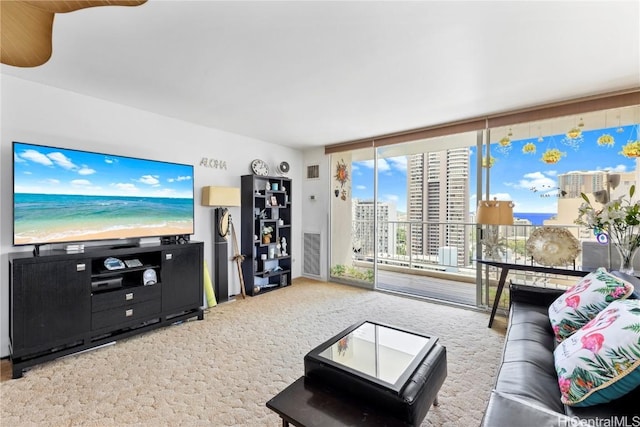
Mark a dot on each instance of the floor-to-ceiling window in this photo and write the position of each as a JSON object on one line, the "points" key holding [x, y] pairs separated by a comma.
{"points": [[352, 217], [423, 207], [412, 205], [545, 167]]}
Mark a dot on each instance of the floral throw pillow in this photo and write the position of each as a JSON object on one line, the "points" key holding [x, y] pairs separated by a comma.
{"points": [[601, 361], [580, 303]]}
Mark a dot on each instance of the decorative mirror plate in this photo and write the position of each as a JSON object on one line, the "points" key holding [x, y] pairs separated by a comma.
{"points": [[552, 246]]}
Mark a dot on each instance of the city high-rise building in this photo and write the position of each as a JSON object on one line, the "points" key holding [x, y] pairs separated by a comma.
{"points": [[594, 185], [438, 201], [364, 212]]}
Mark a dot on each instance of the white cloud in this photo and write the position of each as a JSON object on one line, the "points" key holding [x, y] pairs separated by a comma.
{"points": [[81, 182], [149, 179], [62, 161], [392, 198], [361, 187], [399, 163], [36, 157], [618, 168], [17, 158], [536, 181], [84, 170], [552, 173], [498, 196], [126, 186], [383, 166], [52, 181], [109, 160], [184, 178]]}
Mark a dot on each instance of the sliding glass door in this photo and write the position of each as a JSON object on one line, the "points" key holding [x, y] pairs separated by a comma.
{"points": [[423, 200], [403, 216]]}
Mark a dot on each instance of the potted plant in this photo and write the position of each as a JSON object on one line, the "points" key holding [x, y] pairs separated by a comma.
{"points": [[266, 234]]}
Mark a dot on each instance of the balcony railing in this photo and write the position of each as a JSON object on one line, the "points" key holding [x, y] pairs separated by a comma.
{"points": [[438, 248]]}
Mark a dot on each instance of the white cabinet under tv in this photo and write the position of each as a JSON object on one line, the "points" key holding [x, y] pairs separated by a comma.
{"points": [[64, 303]]}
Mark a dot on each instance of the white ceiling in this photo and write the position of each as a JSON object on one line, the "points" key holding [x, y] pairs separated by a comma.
{"points": [[306, 73]]}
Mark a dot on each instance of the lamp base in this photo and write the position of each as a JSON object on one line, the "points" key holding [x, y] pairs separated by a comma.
{"points": [[494, 245]]}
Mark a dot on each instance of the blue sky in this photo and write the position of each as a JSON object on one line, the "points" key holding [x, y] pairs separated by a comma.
{"points": [[516, 176], [48, 170]]}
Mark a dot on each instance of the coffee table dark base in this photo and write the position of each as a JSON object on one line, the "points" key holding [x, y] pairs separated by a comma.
{"points": [[310, 402], [307, 403]]}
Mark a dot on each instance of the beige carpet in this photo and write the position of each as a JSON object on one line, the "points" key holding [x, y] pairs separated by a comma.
{"points": [[221, 371]]}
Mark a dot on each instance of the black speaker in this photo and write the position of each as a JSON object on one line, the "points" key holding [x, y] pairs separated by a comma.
{"points": [[168, 240]]}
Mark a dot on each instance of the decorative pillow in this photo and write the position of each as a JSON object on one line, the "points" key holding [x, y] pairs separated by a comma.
{"points": [[601, 361], [580, 303]]}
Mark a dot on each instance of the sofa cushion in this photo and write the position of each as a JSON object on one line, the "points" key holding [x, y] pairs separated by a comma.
{"points": [[509, 410], [527, 368], [601, 361], [580, 303]]}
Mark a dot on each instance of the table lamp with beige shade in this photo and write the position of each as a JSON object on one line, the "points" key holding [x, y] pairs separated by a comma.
{"points": [[220, 198], [493, 214]]}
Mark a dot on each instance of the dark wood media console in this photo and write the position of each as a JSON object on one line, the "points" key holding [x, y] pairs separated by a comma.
{"points": [[63, 303]]}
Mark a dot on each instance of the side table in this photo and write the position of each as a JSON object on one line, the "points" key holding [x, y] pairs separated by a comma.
{"points": [[505, 267]]}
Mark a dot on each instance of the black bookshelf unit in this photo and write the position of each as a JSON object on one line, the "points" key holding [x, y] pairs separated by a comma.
{"points": [[62, 303], [266, 202]]}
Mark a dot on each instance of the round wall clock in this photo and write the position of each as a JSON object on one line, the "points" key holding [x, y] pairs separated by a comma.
{"points": [[259, 167]]}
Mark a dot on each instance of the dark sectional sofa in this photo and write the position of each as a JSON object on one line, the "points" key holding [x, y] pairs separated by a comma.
{"points": [[526, 392]]}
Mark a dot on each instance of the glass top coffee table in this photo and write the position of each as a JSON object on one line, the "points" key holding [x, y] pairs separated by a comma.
{"points": [[370, 375], [381, 354]]}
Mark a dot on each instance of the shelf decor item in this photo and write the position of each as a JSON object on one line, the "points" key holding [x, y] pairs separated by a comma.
{"points": [[620, 218], [266, 234]]}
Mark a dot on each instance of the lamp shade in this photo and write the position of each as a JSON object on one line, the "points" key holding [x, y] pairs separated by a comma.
{"points": [[495, 212], [220, 196]]}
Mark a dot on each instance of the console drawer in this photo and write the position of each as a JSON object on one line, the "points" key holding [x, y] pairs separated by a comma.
{"points": [[124, 297], [122, 315]]}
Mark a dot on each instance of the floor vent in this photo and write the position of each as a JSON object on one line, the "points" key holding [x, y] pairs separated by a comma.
{"points": [[311, 259]]}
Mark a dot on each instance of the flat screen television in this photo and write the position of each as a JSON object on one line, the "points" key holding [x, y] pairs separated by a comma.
{"points": [[62, 195]]}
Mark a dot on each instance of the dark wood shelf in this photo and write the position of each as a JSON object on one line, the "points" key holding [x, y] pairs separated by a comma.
{"points": [[251, 248]]}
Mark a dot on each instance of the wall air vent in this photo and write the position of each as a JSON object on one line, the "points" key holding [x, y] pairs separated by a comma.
{"points": [[313, 171], [311, 258]]}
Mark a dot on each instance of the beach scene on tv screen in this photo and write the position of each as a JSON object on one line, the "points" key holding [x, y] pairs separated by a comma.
{"points": [[63, 195]]}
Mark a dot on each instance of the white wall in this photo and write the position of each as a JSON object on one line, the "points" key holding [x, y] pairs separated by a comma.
{"points": [[39, 114], [316, 210]]}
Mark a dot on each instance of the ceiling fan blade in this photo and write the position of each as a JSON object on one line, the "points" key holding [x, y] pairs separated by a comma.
{"points": [[26, 34], [27, 27], [64, 6]]}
